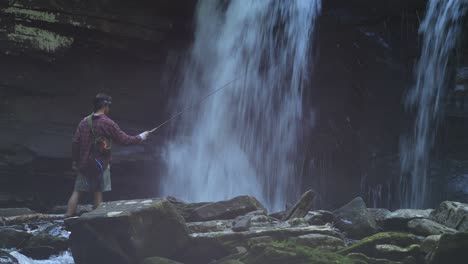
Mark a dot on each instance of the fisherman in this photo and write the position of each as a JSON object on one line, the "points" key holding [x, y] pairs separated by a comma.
{"points": [[91, 152]]}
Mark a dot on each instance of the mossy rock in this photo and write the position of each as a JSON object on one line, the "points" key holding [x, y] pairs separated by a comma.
{"points": [[367, 245], [45, 240], [452, 248], [289, 252], [397, 253], [11, 238], [369, 260]]}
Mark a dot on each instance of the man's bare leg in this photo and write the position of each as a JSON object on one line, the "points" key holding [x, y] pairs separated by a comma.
{"points": [[72, 204], [97, 199]]}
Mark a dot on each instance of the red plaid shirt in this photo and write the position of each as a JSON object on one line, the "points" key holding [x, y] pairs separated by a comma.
{"points": [[103, 126]]}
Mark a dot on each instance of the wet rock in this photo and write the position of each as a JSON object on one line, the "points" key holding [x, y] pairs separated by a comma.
{"points": [[319, 241], [186, 210], [367, 245], [62, 209], [242, 223], [127, 232], [57, 244], [426, 227], [209, 226], [278, 215], [302, 207], [397, 253], [452, 248], [11, 238], [430, 243], [355, 219], [298, 222], [205, 247], [452, 214], [231, 261], [379, 215], [229, 209], [320, 217], [8, 212], [6, 258], [398, 220], [40, 252], [158, 260]]}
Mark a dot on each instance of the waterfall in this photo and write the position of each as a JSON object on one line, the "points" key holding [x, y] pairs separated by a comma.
{"points": [[244, 139], [441, 30]]}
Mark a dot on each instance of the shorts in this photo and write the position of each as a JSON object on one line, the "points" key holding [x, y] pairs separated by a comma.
{"points": [[96, 184]]}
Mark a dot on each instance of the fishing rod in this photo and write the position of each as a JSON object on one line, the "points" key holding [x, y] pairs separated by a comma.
{"points": [[193, 105]]}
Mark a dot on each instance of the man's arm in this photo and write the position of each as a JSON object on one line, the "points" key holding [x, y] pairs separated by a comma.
{"points": [[121, 137]]}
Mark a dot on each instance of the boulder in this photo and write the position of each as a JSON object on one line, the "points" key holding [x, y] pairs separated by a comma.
{"points": [[298, 222], [229, 209], [319, 241], [397, 253], [379, 215], [278, 215], [242, 223], [158, 260], [355, 219], [452, 248], [8, 212], [430, 243], [426, 227], [11, 238], [127, 232], [6, 258], [398, 220], [186, 210], [320, 217], [40, 252], [209, 226], [302, 207], [368, 260], [367, 245], [452, 214]]}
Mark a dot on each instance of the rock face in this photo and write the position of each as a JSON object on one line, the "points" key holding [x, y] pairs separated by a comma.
{"points": [[229, 209], [452, 248], [426, 227], [355, 219], [127, 232], [453, 215]]}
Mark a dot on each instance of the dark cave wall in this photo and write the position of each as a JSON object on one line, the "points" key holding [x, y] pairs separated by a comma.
{"points": [[56, 55]]}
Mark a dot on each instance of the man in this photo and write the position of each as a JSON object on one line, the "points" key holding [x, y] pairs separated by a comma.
{"points": [[91, 152]]}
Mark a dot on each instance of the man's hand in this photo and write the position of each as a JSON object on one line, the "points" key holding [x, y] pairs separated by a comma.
{"points": [[144, 135]]}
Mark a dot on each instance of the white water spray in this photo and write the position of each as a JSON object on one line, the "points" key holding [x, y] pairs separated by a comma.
{"points": [[243, 140], [441, 30]]}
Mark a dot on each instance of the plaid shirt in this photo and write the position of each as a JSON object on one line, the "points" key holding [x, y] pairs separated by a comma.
{"points": [[104, 126]]}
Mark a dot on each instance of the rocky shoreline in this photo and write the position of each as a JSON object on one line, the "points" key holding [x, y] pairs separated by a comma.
{"points": [[237, 231]]}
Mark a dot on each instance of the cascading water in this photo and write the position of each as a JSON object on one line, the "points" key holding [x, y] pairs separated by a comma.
{"points": [[441, 30], [243, 140]]}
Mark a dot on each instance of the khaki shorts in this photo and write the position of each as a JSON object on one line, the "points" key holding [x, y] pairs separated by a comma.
{"points": [[101, 184]]}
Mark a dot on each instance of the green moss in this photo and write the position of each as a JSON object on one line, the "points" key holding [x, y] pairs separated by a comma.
{"points": [[289, 252], [39, 38], [367, 245], [32, 14]]}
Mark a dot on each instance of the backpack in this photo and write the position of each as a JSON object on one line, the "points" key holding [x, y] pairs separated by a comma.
{"points": [[101, 148]]}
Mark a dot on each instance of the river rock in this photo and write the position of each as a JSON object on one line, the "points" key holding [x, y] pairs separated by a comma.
{"points": [[397, 253], [430, 243], [8, 212], [302, 207], [209, 226], [452, 214], [41, 252], [379, 215], [127, 232], [367, 245], [159, 260], [452, 248], [368, 260], [355, 219], [11, 238], [398, 220], [320, 241], [320, 217], [427, 227], [229, 209], [42, 246], [205, 247], [242, 223]]}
